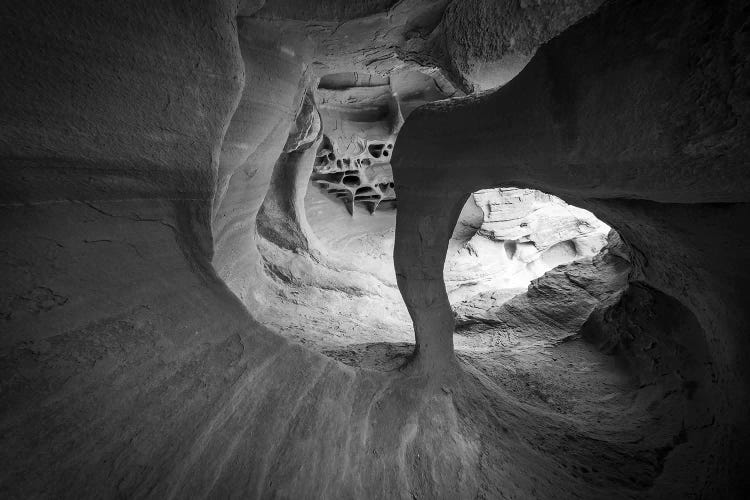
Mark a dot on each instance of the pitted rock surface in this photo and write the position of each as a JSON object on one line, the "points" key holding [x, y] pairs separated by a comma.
{"points": [[364, 178]]}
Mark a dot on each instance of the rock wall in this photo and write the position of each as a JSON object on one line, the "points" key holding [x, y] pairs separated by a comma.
{"points": [[605, 116], [254, 141], [489, 42], [282, 218], [138, 145], [557, 304], [361, 116]]}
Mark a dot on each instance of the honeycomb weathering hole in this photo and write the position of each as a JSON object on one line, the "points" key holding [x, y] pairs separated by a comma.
{"points": [[364, 181], [351, 180]]}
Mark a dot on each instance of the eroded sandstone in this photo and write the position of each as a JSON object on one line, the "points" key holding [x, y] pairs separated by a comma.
{"points": [[162, 288]]}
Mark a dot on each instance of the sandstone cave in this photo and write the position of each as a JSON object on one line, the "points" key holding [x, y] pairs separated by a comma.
{"points": [[375, 249]]}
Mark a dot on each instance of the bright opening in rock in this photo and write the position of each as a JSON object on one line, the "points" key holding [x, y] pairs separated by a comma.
{"points": [[559, 262], [507, 237], [520, 265]]}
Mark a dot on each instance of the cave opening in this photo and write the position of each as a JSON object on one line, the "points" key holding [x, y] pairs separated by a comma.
{"points": [[534, 284], [551, 262], [506, 237]]}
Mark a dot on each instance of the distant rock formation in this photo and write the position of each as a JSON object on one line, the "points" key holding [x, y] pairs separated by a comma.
{"points": [[519, 235], [558, 302]]}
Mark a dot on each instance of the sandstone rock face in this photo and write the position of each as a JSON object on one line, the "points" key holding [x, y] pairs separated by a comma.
{"points": [[523, 234], [255, 137], [369, 186], [161, 288], [139, 151], [391, 38], [609, 119], [490, 41], [354, 169], [361, 116], [282, 218], [557, 304], [527, 216]]}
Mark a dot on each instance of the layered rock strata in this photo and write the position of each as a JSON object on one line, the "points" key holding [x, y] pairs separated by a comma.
{"points": [[506, 237]]}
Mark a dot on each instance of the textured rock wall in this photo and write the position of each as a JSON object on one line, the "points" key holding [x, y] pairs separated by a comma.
{"points": [[282, 218], [529, 216], [128, 367], [489, 42], [361, 117], [556, 305], [112, 127], [273, 94], [362, 114], [519, 235], [638, 113]]}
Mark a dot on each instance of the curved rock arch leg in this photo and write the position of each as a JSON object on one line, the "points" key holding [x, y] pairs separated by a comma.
{"points": [[424, 226]]}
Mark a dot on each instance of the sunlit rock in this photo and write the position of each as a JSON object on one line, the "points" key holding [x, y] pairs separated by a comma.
{"points": [[521, 234]]}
